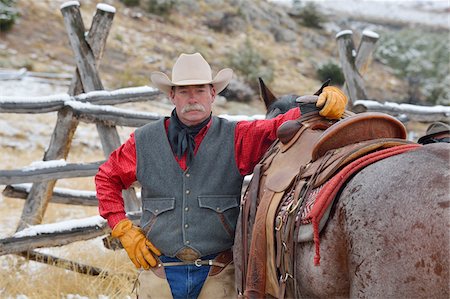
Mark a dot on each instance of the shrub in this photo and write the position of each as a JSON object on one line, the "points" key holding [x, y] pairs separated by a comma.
{"points": [[8, 15], [331, 70], [422, 59], [160, 7], [247, 62], [310, 16], [129, 78], [130, 2]]}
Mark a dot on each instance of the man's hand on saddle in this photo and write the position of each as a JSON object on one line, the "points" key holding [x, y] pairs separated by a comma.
{"points": [[139, 249], [332, 101]]}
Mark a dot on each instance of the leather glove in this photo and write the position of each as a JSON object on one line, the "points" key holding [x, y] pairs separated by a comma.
{"points": [[332, 101], [138, 248]]}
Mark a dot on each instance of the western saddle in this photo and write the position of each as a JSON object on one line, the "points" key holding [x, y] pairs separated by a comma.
{"points": [[308, 152]]}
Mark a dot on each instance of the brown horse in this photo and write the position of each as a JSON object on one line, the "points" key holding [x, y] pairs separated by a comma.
{"points": [[388, 233]]}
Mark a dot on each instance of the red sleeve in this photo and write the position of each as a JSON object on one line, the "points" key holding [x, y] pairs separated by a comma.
{"points": [[253, 138], [116, 174]]}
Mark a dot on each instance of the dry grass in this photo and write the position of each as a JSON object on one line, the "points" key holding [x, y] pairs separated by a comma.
{"points": [[20, 276]]}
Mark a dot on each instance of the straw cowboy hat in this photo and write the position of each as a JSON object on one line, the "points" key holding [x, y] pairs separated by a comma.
{"points": [[191, 69]]}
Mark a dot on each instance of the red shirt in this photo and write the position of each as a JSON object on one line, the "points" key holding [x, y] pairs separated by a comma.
{"points": [[251, 141]]}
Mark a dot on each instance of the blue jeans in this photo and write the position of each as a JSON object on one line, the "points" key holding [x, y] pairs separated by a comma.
{"points": [[186, 281]]}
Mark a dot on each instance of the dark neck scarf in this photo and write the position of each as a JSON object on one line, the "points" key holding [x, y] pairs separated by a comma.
{"points": [[182, 137]]}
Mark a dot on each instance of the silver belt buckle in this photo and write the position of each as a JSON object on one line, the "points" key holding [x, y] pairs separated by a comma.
{"points": [[197, 262]]}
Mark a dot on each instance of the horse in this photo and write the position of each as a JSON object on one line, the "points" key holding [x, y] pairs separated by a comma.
{"points": [[387, 235]]}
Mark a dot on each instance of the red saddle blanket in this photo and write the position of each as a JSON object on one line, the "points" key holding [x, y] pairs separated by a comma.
{"points": [[321, 198]]}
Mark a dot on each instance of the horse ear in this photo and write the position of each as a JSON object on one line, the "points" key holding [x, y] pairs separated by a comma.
{"points": [[266, 95], [325, 84]]}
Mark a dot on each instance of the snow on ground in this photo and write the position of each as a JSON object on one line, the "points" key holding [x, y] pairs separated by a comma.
{"points": [[427, 12], [33, 131], [29, 86]]}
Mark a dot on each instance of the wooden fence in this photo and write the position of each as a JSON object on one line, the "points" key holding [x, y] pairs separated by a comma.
{"points": [[86, 101]]}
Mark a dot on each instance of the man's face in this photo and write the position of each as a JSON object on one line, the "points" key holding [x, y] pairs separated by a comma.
{"points": [[193, 103]]}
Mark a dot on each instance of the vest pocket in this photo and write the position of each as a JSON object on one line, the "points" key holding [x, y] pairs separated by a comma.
{"points": [[225, 207], [154, 207]]}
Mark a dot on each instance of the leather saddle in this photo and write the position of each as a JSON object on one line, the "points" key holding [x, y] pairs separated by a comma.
{"points": [[308, 152]]}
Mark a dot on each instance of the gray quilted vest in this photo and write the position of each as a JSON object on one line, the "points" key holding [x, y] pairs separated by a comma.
{"points": [[196, 208]]}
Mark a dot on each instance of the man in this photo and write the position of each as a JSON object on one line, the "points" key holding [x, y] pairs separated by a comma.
{"points": [[191, 166]]}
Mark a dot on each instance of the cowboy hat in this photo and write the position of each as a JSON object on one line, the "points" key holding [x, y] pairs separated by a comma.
{"points": [[191, 69], [434, 129]]}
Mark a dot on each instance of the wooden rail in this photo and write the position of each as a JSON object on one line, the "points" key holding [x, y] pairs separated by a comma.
{"points": [[26, 175], [60, 195], [50, 235], [412, 112], [36, 105]]}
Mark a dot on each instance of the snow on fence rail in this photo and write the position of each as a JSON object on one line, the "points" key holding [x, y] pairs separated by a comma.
{"points": [[60, 195], [44, 173], [413, 112], [17, 104], [54, 234]]}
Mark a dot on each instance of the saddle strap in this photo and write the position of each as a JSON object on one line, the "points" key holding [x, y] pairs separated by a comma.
{"points": [[286, 233], [249, 206], [256, 274]]}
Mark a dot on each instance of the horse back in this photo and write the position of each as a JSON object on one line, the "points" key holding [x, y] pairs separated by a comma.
{"points": [[395, 221]]}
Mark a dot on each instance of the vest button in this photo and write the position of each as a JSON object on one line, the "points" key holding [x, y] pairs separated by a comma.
{"points": [[187, 242], [188, 175], [186, 225], [188, 191], [186, 209]]}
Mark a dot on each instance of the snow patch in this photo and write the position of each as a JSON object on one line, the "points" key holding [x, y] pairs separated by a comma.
{"points": [[65, 191], [35, 230], [343, 32], [106, 108], [106, 7], [371, 34], [69, 3], [405, 107], [45, 164], [242, 117]]}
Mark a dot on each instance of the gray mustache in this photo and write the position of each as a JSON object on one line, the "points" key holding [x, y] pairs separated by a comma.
{"points": [[193, 107]]}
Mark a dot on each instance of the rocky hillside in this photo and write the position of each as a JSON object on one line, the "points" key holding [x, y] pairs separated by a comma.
{"points": [[256, 38]]}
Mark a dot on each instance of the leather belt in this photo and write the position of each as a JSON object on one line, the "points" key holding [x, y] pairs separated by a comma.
{"points": [[197, 262]]}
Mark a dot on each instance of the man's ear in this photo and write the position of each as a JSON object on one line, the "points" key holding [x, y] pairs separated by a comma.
{"points": [[213, 93], [172, 95]]}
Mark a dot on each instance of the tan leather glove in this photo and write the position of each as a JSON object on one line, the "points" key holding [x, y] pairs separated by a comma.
{"points": [[135, 243], [332, 101]]}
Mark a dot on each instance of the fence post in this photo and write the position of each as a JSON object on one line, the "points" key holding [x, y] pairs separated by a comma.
{"points": [[90, 79], [347, 56], [61, 139], [365, 50]]}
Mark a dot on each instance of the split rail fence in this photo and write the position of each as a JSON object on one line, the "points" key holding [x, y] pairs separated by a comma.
{"points": [[87, 102]]}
